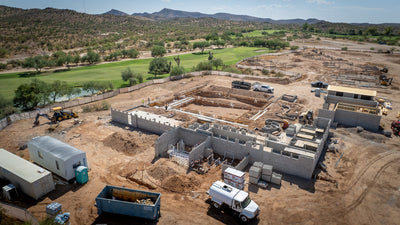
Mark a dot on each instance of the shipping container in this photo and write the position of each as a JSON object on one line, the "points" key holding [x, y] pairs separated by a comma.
{"points": [[130, 202], [56, 156], [27, 177]]}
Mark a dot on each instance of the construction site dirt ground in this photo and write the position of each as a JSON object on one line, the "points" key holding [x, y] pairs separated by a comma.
{"points": [[360, 188]]}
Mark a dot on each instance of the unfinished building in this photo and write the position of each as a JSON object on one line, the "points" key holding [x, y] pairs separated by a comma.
{"points": [[295, 152], [351, 107]]}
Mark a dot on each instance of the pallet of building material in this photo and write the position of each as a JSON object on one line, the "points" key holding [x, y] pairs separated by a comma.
{"points": [[276, 178], [235, 184], [258, 164], [255, 172], [254, 180], [266, 178], [262, 184], [234, 175], [267, 169], [53, 209]]}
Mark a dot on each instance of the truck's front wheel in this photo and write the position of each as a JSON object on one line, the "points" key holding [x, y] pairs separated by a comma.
{"points": [[244, 219]]}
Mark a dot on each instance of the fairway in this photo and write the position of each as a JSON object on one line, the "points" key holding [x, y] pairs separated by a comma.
{"points": [[112, 71]]}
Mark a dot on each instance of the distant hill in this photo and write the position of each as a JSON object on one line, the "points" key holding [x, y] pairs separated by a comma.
{"points": [[166, 14], [115, 13]]}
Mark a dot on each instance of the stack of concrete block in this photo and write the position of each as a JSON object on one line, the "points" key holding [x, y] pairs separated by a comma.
{"points": [[255, 174], [276, 178], [291, 130], [266, 173]]}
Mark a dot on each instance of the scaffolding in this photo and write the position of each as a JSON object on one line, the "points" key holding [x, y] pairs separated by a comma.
{"points": [[178, 154]]}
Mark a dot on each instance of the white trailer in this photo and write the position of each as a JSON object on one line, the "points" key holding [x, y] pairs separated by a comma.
{"points": [[56, 156], [236, 199], [27, 177]]}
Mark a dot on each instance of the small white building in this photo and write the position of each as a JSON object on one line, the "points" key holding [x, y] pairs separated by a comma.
{"points": [[27, 177], [58, 157]]}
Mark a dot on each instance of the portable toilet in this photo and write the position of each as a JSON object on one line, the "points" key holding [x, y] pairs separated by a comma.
{"points": [[81, 174]]}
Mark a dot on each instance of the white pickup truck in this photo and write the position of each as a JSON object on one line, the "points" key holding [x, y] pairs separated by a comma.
{"points": [[263, 87], [236, 199]]}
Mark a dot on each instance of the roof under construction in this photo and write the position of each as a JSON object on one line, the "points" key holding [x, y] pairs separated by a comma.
{"points": [[352, 90]]}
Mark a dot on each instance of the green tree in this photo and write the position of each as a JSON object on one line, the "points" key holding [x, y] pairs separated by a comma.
{"points": [[37, 62], [68, 59], [3, 52], [159, 66], [203, 66], [92, 57], [217, 63], [201, 44], [305, 26], [373, 31], [126, 74], [210, 55], [90, 86], [177, 70], [388, 31], [57, 89], [158, 51], [131, 53], [71, 91], [212, 36], [77, 59], [30, 95], [6, 107], [177, 60]]}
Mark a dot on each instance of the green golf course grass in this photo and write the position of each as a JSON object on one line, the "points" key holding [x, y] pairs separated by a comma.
{"points": [[9, 82]]}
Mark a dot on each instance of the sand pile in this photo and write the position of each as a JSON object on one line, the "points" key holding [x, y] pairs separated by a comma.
{"points": [[181, 183]]}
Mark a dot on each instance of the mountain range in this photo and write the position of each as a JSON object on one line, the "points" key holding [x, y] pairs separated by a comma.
{"points": [[166, 14]]}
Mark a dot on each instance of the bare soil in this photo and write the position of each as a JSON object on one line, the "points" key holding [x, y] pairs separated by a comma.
{"points": [[360, 185]]}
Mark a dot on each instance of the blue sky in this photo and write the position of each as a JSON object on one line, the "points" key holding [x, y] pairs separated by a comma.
{"points": [[353, 11]]}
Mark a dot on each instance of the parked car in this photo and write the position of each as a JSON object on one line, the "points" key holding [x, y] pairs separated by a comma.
{"points": [[263, 88], [319, 84], [241, 84]]}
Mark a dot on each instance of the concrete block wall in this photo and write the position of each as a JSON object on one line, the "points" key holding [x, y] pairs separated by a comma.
{"points": [[198, 151], [243, 163], [150, 125], [120, 116], [331, 99], [162, 143], [301, 167], [321, 145], [191, 137], [323, 122], [276, 145], [220, 146], [324, 113], [231, 135], [349, 118]]}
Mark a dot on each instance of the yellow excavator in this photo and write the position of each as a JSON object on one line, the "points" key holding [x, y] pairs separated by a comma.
{"points": [[306, 117], [58, 115]]}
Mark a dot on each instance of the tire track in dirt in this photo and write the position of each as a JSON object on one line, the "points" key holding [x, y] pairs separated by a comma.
{"points": [[382, 161], [369, 164]]}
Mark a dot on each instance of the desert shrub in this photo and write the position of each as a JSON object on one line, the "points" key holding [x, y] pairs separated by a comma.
{"points": [[98, 106]]}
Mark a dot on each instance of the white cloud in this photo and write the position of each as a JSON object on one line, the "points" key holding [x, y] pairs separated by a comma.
{"points": [[319, 2]]}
